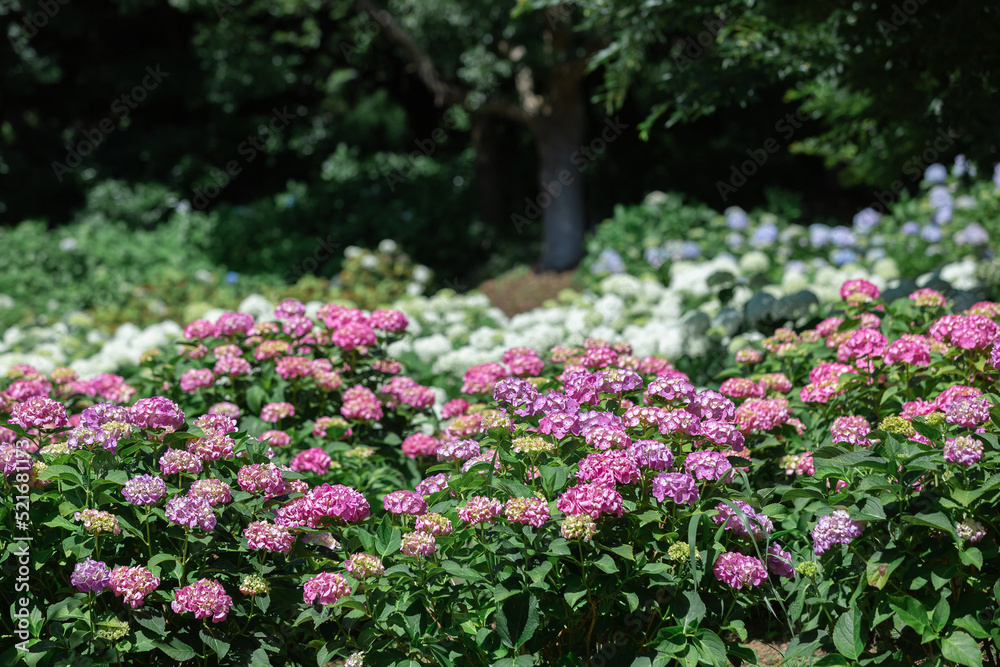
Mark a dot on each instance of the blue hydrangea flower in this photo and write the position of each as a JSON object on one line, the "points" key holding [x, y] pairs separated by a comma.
{"points": [[866, 220], [690, 250], [962, 167], [936, 173], [973, 234], [909, 228], [608, 261], [931, 233], [656, 256], [943, 215], [996, 176], [734, 240], [232, 277], [819, 235], [842, 237], [939, 197], [764, 235], [736, 218], [844, 256]]}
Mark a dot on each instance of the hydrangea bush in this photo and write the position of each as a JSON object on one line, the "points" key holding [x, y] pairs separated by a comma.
{"points": [[280, 493]]}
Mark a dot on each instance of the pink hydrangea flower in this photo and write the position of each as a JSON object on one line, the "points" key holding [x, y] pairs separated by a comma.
{"points": [[748, 355], [353, 335], [314, 459], [779, 561], [176, 461], [404, 502], [213, 491], [968, 412], [230, 324], [420, 444], [433, 484], [156, 412], [741, 388], [762, 414], [480, 509], [752, 524], [481, 379], [362, 404], [195, 379], [205, 598], [433, 523], [418, 544], [199, 329], [679, 487], [834, 528], [454, 408], [706, 464], [90, 576], [213, 447], [134, 583], [269, 537], [390, 321], [325, 588], [858, 291], [964, 450], [651, 454], [851, 429], [191, 512], [593, 499], [39, 412], [364, 566], [232, 367], [275, 412], [738, 570], [261, 478], [337, 502], [288, 308], [458, 450], [144, 490], [610, 468]]}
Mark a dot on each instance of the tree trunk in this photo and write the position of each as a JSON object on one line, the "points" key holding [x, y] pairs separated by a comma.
{"points": [[488, 178], [559, 138]]}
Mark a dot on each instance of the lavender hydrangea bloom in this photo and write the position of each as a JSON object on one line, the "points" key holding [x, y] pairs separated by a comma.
{"points": [[936, 173], [736, 218], [834, 528], [930, 233], [866, 220], [679, 487], [909, 228], [144, 490], [90, 576]]}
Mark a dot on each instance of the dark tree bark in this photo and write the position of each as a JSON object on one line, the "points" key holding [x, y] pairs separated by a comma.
{"points": [[488, 177], [559, 138]]}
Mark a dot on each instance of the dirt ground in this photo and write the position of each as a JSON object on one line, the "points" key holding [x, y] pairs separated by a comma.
{"points": [[521, 290]]}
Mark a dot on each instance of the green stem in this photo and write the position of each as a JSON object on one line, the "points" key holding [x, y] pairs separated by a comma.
{"points": [[183, 577], [149, 542]]}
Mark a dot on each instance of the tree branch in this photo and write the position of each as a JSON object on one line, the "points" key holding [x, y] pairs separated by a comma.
{"points": [[446, 93]]}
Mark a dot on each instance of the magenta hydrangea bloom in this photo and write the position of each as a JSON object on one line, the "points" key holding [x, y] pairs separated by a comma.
{"points": [[651, 454], [752, 524], [276, 438], [144, 490], [261, 478], [531, 511], [314, 459], [266, 535], [604, 438], [337, 502], [680, 421], [779, 561], [678, 486], [156, 412], [390, 321], [858, 291], [964, 450], [968, 412], [196, 378], [230, 323], [404, 502], [275, 412], [723, 433], [205, 598], [458, 450], [213, 424], [481, 379], [176, 461], [834, 528], [517, 393], [361, 403], [134, 583], [39, 412], [738, 570], [90, 576], [593, 499], [851, 429], [420, 444], [611, 467], [433, 484], [706, 464], [354, 335], [214, 447], [908, 351], [670, 388], [711, 405], [227, 409], [213, 491], [741, 388], [191, 512], [480, 509], [762, 414], [325, 588], [199, 329], [454, 408], [288, 308]]}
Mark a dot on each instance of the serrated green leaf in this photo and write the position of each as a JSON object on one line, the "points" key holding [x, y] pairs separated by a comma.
{"points": [[517, 619], [848, 634]]}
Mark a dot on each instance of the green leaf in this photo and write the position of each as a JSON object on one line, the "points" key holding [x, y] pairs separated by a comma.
{"points": [[963, 649], [910, 611], [461, 571], [517, 620], [256, 397], [220, 646], [939, 618], [177, 650], [625, 551], [691, 610], [933, 519], [711, 648], [847, 634], [387, 538], [792, 494], [606, 564], [972, 557]]}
